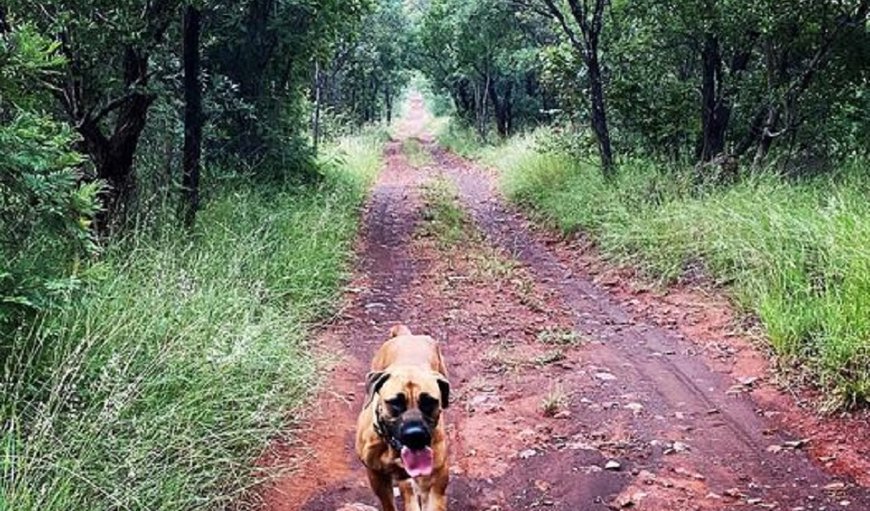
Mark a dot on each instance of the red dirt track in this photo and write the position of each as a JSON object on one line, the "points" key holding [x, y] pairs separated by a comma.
{"points": [[661, 387]]}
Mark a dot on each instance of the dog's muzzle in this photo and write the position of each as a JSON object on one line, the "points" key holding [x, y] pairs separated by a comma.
{"points": [[415, 436]]}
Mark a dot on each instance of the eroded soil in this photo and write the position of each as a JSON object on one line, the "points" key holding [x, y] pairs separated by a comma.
{"points": [[575, 385]]}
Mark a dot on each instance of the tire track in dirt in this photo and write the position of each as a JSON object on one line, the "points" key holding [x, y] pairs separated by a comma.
{"points": [[321, 454], [525, 328], [685, 401]]}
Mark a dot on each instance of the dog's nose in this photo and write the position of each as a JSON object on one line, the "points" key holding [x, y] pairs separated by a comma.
{"points": [[415, 436]]}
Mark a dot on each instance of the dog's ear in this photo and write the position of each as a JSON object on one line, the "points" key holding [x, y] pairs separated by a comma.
{"points": [[375, 380], [444, 387]]}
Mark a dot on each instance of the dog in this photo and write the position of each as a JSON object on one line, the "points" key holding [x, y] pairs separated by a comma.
{"points": [[400, 436]]}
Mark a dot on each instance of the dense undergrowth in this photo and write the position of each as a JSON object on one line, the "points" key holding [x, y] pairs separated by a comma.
{"points": [[158, 385], [796, 253]]}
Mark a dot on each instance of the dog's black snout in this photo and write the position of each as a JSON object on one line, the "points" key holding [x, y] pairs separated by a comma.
{"points": [[415, 436]]}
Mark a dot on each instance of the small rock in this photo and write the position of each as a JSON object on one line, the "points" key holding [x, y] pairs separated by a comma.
{"points": [[677, 447], [734, 493], [748, 381], [612, 465], [627, 501], [646, 477], [796, 444], [634, 407], [605, 376], [528, 453], [835, 486]]}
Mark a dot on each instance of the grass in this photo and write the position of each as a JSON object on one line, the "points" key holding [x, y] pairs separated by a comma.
{"points": [[796, 254], [416, 154], [555, 401], [446, 221], [560, 337], [160, 386], [462, 140]]}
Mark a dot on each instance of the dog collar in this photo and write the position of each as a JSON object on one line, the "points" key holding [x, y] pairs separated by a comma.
{"points": [[383, 432]]}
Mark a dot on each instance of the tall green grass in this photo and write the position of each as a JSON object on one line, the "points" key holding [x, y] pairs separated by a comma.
{"points": [[459, 138], [797, 254], [160, 385]]}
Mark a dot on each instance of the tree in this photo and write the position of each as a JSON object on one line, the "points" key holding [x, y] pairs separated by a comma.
{"points": [[484, 55], [192, 113], [588, 18], [45, 211], [104, 89]]}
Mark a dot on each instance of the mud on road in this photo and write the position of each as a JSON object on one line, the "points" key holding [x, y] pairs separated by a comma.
{"points": [[575, 386]]}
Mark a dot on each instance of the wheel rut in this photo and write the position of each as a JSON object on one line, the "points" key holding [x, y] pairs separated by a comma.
{"points": [[567, 395]]}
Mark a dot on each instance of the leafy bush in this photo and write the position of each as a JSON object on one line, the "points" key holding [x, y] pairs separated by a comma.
{"points": [[44, 210], [797, 254]]}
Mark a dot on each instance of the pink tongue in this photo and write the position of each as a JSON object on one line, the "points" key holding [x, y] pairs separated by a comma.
{"points": [[417, 463]]}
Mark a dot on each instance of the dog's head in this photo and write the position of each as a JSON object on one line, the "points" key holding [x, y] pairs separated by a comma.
{"points": [[408, 404]]}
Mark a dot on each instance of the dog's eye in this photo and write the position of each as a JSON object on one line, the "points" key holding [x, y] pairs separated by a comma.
{"points": [[428, 404], [397, 405]]}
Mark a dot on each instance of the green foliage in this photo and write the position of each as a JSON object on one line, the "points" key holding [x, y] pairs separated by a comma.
{"points": [[157, 387], [483, 55], [795, 254], [460, 138], [44, 210], [366, 75]]}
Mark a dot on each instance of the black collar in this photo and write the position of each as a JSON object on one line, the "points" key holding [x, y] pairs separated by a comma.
{"points": [[384, 432]]}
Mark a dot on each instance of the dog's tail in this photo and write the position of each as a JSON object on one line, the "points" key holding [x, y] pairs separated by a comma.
{"points": [[399, 330]]}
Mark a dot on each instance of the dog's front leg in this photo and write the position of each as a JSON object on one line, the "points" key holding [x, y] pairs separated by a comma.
{"points": [[437, 494], [410, 496], [382, 486]]}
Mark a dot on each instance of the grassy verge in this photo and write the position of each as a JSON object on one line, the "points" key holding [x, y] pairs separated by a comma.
{"points": [[460, 139], [159, 387], [795, 254], [446, 221], [417, 155]]}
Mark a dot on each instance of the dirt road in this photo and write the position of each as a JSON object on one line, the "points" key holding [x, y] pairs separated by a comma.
{"points": [[576, 387]]}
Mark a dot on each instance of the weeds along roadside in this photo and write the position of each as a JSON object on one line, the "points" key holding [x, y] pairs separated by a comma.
{"points": [[794, 253], [159, 386]]}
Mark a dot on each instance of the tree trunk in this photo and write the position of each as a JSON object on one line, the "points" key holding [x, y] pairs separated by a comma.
{"points": [[4, 23], [501, 107], [714, 111], [388, 103], [318, 98], [113, 156], [766, 138], [591, 24], [193, 117], [599, 113]]}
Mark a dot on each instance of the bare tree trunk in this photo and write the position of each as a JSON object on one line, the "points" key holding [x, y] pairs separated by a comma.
{"points": [[4, 23], [714, 112], [767, 136], [388, 102], [193, 117], [599, 115], [591, 25], [315, 124], [501, 107]]}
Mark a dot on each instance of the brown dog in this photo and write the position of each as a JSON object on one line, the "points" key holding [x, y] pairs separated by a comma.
{"points": [[400, 432]]}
